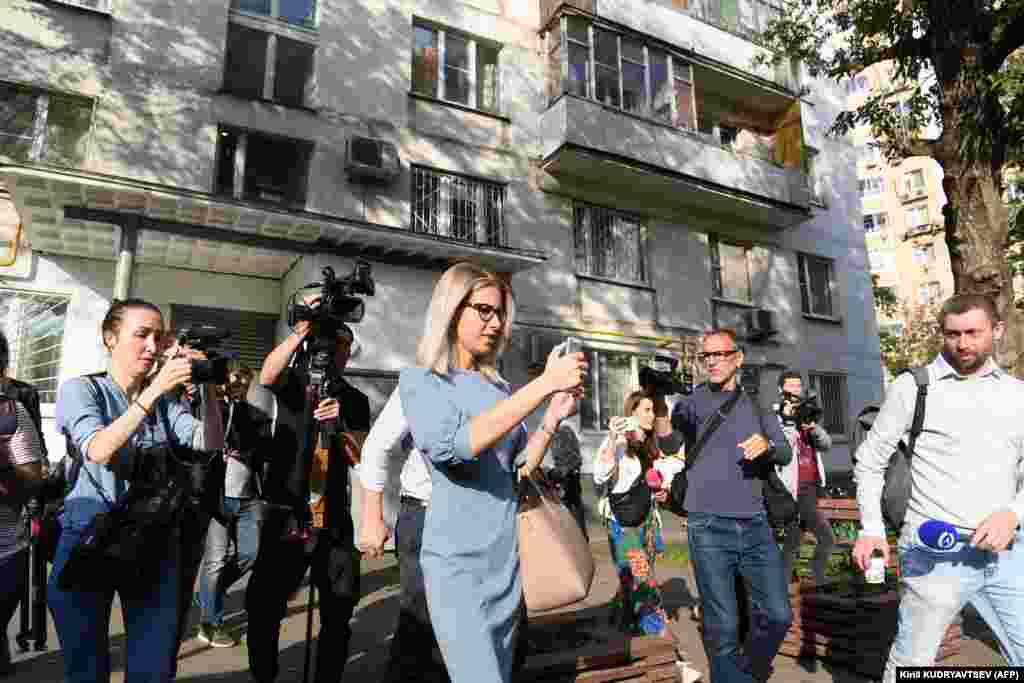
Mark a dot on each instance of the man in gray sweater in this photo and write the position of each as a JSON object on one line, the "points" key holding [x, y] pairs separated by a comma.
{"points": [[965, 469]]}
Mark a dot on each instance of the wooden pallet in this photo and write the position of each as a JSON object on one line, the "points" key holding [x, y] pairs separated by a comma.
{"points": [[604, 656]]}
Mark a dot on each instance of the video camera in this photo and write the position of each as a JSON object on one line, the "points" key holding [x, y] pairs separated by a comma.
{"points": [[206, 338], [802, 410], [337, 305], [667, 382]]}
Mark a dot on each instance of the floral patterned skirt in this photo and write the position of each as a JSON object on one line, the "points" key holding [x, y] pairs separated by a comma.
{"points": [[636, 608]]}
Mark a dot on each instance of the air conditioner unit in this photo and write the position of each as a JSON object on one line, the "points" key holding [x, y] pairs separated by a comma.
{"points": [[760, 324], [371, 159]]}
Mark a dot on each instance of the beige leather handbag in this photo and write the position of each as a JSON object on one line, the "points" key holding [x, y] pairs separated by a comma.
{"points": [[554, 556]]}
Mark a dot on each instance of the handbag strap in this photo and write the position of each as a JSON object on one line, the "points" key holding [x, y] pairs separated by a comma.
{"points": [[713, 422]]}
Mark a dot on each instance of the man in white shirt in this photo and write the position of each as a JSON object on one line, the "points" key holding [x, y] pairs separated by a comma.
{"points": [[414, 652], [965, 469]]}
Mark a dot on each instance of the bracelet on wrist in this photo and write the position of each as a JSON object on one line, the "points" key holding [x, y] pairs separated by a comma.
{"points": [[136, 402]]}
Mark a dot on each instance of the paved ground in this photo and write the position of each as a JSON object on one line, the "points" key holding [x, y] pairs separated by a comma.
{"points": [[375, 618]]}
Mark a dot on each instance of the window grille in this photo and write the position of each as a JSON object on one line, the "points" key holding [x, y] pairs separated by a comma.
{"points": [[831, 390], [609, 244], [453, 206], [34, 326]]}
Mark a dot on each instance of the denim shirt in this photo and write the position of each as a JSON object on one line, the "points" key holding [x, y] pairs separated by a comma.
{"points": [[83, 409]]}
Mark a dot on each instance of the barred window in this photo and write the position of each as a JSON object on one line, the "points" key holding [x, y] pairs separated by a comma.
{"points": [[613, 377], [609, 244], [461, 208], [34, 326], [37, 125], [831, 390]]}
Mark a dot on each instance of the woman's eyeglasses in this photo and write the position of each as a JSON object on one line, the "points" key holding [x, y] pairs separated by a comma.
{"points": [[486, 312], [715, 355]]}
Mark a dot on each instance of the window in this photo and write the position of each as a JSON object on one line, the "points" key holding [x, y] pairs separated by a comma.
{"points": [[874, 222], [261, 167], [869, 154], [730, 270], [36, 125], [457, 207], [295, 12], [817, 282], [917, 216], [924, 254], [622, 72], [609, 244], [1014, 191], [454, 67], [613, 376], [857, 85], [831, 390], [266, 64], [870, 186], [913, 183], [34, 325]]}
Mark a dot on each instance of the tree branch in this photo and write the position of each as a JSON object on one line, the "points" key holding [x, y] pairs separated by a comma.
{"points": [[1010, 39], [891, 53]]}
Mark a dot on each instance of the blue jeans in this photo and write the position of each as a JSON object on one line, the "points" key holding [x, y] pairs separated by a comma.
{"points": [[937, 585], [230, 552], [723, 549], [83, 624]]}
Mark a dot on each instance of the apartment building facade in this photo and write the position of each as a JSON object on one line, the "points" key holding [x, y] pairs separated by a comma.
{"points": [[902, 205], [637, 178]]}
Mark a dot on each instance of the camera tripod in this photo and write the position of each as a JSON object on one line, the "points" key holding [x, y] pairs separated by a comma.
{"points": [[32, 606]]}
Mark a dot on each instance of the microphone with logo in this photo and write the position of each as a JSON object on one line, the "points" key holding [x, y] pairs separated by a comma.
{"points": [[941, 535]]}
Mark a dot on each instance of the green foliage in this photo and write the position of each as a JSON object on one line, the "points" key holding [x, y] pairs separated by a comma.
{"points": [[676, 555], [918, 344], [887, 304], [951, 64]]}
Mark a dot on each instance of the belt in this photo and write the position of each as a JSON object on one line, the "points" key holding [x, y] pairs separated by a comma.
{"points": [[413, 500]]}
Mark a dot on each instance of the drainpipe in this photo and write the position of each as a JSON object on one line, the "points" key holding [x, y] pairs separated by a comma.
{"points": [[125, 259]]}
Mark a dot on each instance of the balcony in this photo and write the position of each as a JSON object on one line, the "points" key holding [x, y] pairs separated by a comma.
{"points": [[589, 142], [627, 111]]}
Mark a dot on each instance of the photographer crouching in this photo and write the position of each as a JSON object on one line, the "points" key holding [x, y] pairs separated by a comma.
{"points": [[316, 423], [804, 474], [120, 525]]}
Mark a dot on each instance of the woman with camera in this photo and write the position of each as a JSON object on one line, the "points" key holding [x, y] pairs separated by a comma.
{"points": [[119, 425], [469, 426], [627, 465]]}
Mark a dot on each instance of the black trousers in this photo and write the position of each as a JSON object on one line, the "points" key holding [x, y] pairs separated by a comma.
{"points": [[412, 653], [809, 518], [277, 574]]}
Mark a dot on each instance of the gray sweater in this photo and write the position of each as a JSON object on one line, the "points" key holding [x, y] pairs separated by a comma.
{"points": [[966, 460]]}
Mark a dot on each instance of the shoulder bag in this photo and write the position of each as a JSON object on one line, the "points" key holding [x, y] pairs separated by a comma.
{"points": [[677, 490], [555, 562], [778, 501]]}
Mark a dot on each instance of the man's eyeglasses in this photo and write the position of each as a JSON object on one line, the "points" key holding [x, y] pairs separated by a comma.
{"points": [[486, 312], [716, 355]]}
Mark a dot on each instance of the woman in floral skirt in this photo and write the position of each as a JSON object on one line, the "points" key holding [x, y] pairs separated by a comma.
{"points": [[627, 466]]}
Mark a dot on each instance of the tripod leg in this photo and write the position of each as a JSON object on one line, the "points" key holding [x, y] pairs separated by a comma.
{"points": [[310, 605], [25, 604]]}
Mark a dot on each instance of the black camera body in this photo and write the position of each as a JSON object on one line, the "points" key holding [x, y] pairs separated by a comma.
{"points": [[803, 410], [206, 338], [338, 301], [666, 383]]}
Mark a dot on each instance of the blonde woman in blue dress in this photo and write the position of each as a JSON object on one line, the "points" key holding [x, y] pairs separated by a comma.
{"points": [[469, 427]]}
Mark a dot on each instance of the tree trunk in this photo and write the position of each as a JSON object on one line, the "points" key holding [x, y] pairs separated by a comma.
{"points": [[977, 228]]}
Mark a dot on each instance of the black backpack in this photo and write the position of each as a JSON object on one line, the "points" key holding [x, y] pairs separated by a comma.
{"points": [[898, 477]]}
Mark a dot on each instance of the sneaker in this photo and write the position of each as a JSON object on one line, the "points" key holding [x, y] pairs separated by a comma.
{"points": [[215, 635]]}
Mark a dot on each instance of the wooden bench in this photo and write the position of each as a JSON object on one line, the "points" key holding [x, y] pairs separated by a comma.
{"points": [[575, 646], [845, 626]]}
